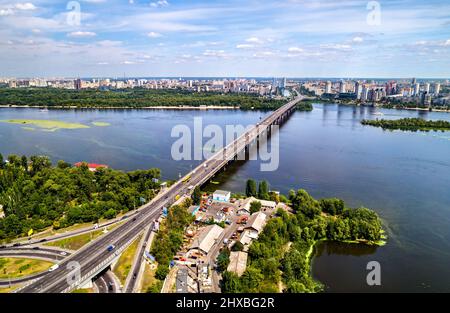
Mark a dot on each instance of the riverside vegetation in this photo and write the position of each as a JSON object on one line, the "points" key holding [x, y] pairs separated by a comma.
{"points": [[131, 98], [280, 259], [409, 124], [36, 195]]}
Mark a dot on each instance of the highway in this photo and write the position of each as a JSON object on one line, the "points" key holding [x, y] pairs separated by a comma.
{"points": [[134, 275], [51, 255], [95, 255], [30, 242]]}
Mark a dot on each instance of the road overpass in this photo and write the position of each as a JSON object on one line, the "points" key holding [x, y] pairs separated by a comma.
{"points": [[94, 257]]}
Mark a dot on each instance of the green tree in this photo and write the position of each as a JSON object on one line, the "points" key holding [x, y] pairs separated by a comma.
{"points": [[2, 161], [162, 271], [250, 189], [197, 195], [263, 190], [230, 283], [223, 259], [238, 246], [255, 206]]}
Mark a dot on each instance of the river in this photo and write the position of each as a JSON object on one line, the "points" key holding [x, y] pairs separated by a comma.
{"points": [[404, 176]]}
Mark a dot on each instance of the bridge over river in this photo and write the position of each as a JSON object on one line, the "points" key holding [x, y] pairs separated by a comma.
{"points": [[94, 257]]}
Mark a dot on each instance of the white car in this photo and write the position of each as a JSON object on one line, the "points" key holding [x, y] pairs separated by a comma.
{"points": [[53, 268], [63, 253]]}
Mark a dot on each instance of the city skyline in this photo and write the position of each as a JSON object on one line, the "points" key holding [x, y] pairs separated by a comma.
{"points": [[224, 39]]}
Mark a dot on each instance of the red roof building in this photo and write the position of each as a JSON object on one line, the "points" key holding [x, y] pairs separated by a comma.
{"points": [[92, 166]]}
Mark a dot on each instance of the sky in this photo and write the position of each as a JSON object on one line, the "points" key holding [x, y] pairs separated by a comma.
{"points": [[232, 38]]}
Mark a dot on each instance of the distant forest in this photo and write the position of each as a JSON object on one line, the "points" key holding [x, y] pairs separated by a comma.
{"points": [[131, 98]]}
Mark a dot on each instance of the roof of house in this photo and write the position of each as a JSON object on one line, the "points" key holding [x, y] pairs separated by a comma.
{"points": [[238, 262], [222, 192], [207, 238], [91, 165], [264, 203], [256, 221]]}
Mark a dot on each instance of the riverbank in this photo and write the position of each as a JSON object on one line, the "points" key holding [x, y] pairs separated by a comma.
{"points": [[409, 124], [72, 107]]}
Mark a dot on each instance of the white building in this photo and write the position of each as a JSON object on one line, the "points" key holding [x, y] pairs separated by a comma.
{"points": [[437, 89], [221, 196], [328, 87]]}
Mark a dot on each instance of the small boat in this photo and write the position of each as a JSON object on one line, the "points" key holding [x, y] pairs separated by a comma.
{"points": [[378, 113], [43, 110]]}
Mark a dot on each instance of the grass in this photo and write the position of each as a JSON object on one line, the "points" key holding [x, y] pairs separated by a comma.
{"points": [[123, 266], [88, 290], [18, 267], [148, 277], [9, 289], [76, 242], [47, 125]]}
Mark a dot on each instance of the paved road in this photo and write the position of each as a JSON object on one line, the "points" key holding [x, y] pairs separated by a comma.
{"points": [[105, 282], [25, 242], [92, 256], [45, 254], [135, 272]]}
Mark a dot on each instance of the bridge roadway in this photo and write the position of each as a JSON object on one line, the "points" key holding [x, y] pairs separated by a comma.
{"points": [[94, 257]]}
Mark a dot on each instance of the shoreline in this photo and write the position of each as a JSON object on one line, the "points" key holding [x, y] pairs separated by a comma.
{"points": [[59, 107]]}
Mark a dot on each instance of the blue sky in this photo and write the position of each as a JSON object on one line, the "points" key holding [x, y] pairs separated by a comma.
{"points": [[293, 38]]}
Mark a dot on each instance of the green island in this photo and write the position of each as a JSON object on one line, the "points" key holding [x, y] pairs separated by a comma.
{"points": [[280, 259], [37, 195], [47, 125], [409, 124], [131, 98], [101, 124]]}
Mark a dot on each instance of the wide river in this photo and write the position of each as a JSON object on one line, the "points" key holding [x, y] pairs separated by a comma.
{"points": [[404, 176]]}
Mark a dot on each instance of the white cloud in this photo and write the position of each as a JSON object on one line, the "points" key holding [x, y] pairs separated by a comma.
{"points": [[245, 46], [25, 6], [6, 12], [154, 35], [254, 40], [358, 39], [128, 62], [81, 34], [215, 53], [336, 46], [161, 3], [295, 50]]}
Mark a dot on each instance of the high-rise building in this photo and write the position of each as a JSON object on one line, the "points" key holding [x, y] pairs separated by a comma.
{"points": [[328, 87], [358, 90], [365, 93], [427, 87], [341, 86], [413, 81], [416, 89], [77, 84], [437, 89]]}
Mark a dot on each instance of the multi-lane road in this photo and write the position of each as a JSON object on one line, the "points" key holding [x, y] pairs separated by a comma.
{"points": [[94, 257]]}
